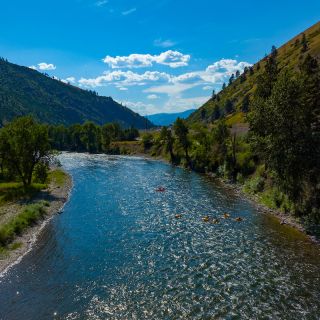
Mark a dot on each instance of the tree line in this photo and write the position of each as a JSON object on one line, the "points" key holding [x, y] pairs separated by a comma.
{"points": [[27, 148], [89, 137]]}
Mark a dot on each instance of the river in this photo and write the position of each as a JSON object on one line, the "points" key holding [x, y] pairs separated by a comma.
{"points": [[118, 252]]}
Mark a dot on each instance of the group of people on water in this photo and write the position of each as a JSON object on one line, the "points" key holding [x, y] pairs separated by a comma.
{"points": [[205, 218]]}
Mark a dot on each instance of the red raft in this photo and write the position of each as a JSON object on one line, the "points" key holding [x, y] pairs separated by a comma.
{"points": [[160, 189]]}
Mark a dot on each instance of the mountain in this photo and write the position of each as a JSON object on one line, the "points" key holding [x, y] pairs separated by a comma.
{"points": [[166, 119], [25, 91], [236, 97]]}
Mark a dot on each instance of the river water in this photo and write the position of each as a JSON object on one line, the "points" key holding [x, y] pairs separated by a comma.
{"points": [[118, 252]]}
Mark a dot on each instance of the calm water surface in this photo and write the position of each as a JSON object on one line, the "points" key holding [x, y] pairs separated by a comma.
{"points": [[117, 252]]}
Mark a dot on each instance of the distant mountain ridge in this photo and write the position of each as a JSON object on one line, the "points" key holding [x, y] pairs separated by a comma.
{"points": [[166, 119], [25, 91]]}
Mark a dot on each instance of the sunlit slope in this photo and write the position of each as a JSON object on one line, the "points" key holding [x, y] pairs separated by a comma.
{"points": [[289, 55]]}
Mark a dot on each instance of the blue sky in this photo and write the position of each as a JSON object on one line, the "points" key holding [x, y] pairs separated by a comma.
{"points": [[153, 56]]}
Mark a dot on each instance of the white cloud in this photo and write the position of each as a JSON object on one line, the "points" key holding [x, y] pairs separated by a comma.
{"points": [[33, 67], [141, 107], [152, 97], [71, 80], [228, 66], [174, 86], [125, 78], [125, 13], [101, 3], [173, 59], [46, 66], [165, 83], [164, 43]]}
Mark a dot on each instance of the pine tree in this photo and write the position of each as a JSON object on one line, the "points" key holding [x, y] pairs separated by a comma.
{"points": [[304, 44]]}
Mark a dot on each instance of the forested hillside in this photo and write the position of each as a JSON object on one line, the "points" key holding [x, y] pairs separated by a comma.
{"points": [[25, 91], [234, 100], [262, 131]]}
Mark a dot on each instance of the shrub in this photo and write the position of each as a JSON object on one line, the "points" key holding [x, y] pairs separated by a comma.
{"points": [[40, 173], [29, 216]]}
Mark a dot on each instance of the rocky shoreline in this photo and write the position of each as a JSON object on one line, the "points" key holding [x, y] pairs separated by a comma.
{"points": [[56, 196]]}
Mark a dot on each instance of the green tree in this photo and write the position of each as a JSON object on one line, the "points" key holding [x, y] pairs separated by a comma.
{"points": [[282, 126], [168, 140], [304, 43], [90, 137], [245, 104], [27, 144], [228, 107], [181, 131]]}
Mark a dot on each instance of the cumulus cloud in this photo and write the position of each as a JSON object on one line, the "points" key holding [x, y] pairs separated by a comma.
{"points": [[175, 87], [166, 83], [163, 43], [125, 78], [43, 66], [71, 80], [46, 66], [125, 13], [173, 59]]}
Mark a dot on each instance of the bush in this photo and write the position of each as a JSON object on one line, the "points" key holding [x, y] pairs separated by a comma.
{"points": [[254, 185], [40, 173], [29, 216], [147, 140]]}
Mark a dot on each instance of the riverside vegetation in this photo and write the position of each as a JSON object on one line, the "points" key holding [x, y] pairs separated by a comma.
{"points": [[25, 156], [274, 153]]}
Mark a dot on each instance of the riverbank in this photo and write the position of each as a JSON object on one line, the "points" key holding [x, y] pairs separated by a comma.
{"points": [[283, 218], [55, 196]]}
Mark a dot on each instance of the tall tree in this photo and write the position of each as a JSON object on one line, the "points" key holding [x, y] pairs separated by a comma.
{"points": [[181, 131], [27, 144]]}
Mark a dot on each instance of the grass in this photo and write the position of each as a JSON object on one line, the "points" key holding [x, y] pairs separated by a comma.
{"points": [[57, 177], [11, 191], [30, 215]]}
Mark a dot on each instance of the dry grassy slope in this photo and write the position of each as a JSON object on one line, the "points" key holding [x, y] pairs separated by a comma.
{"points": [[288, 56]]}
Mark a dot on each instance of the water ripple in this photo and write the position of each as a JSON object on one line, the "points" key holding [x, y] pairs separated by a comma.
{"points": [[119, 252]]}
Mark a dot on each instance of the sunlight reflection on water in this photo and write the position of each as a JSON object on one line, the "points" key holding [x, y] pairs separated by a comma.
{"points": [[118, 252]]}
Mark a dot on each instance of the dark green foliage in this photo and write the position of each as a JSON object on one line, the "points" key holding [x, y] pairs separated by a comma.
{"points": [[168, 141], [231, 79], [30, 215], [228, 107], [147, 140], [41, 172], [89, 137], [181, 131], [245, 104], [216, 113], [25, 144], [286, 137], [24, 91], [304, 44]]}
